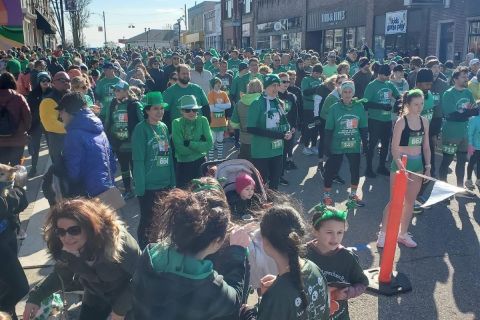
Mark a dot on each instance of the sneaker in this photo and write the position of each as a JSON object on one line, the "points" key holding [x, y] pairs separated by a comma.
{"points": [[383, 171], [127, 195], [321, 169], [328, 201], [32, 173], [306, 151], [466, 195], [237, 145], [469, 185], [406, 240], [314, 150], [381, 239], [357, 201], [283, 182], [338, 179], [370, 174]]}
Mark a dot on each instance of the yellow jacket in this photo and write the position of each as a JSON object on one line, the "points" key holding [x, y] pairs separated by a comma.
{"points": [[49, 116], [474, 86]]}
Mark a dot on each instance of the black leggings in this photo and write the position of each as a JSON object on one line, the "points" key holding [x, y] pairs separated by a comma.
{"points": [[378, 130], [309, 136], [270, 169], [186, 171], [334, 164], [474, 159], [126, 165], [98, 312], [321, 130], [11, 272], [459, 167], [146, 203], [34, 144]]}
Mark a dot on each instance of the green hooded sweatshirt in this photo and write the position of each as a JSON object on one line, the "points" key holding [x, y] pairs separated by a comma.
{"points": [[239, 116], [198, 135]]}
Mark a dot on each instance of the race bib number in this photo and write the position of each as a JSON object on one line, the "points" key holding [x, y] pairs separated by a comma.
{"points": [[162, 161], [218, 115], [450, 148], [348, 144], [277, 144], [415, 140], [386, 113]]}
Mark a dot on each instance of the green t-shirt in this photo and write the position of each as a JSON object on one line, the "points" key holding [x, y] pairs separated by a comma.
{"points": [[354, 68], [233, 65], [153, 167], [341, 266], [24, 64], [239, 85], [175, 92], [307, 83], [183, 129], [453, 101], [282, 300], [345, 122], [278, 70], [273, 120], [381, 92], [14, 66], [118, 123], [329, 70], [105, 93], [330, 100], [428, 106]]}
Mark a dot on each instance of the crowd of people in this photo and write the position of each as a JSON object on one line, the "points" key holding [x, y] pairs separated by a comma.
{"points": [[163, 116]]}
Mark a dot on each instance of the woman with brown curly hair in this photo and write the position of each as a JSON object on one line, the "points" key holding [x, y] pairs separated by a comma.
{"points": [[174, 280], [88, 240]]}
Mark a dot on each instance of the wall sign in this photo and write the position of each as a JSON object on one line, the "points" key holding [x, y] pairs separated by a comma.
{"points": [[396, 22], [333, 16]]}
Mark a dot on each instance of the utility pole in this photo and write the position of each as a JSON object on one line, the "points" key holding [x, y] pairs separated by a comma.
{"points": [[104, 30], [62, 22]]}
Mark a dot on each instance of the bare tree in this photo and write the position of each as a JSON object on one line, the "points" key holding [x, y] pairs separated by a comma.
{"points": [[79, 21], [57, 6]]}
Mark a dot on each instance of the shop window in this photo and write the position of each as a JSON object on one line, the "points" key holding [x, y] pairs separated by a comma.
{"points": [[329, 34], [295, 40], [276, 42], [248, 6], [229, 8], [474, 37], [338, 40], [360, 39], [350, 38], [263, 43]]}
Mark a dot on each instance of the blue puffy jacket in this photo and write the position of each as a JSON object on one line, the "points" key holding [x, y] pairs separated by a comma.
{"points": [[89, 159]]}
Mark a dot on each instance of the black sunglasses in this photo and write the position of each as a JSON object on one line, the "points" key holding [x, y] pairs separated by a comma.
{"points": [[190, 110], [46, 80], [73, 231], [285, 81]]}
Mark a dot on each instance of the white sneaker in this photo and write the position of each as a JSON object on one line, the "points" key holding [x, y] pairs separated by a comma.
{"points": [[469, 184], [307, 151], [381, 239], [406, 240], [478, 183], [314, 150]]}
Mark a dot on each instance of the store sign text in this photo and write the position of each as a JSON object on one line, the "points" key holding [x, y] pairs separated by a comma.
{"points": [[396, 22], [333, 16]]}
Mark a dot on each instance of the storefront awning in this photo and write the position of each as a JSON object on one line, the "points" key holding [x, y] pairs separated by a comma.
{"points": [[43, 24]]}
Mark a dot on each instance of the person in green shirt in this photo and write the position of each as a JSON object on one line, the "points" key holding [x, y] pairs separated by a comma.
{"points": [[268, 125], [13, 66], [240, 82], [352, 59], [104, 92], [299, 291], [234, 62], [330, 68], [277, 65], [381, 96], [153, 167], [123, 114], [345, 129], [310, 86], [458, 106], [192, 139], [183, 87], [339, 264]]}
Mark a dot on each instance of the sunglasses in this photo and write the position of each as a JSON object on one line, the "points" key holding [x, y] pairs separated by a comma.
{"points": [[73, 231], [45, 81], [284, 81], [190, 110]]}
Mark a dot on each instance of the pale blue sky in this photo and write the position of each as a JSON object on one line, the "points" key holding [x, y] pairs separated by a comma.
{"points": [[154, 14]]}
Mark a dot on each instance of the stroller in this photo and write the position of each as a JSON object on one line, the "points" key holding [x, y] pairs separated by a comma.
{"points": [[226, 171]]}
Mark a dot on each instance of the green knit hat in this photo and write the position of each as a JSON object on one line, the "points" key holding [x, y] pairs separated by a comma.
{"points": [[271, 79], [188, 102], [154, 98]]}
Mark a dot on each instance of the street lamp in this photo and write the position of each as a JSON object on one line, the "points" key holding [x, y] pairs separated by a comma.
{"points": [[179, 20], [147, 30], [240, 4]]}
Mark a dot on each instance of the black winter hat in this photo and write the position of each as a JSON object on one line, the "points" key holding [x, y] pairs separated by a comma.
{"points": [[424, 75]]}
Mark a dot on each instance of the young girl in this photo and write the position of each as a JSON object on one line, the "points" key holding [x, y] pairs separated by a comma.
{"points": [[219, 102], [473, 151], [410, 137], [242, 200], [339, 265], [299, 291]]}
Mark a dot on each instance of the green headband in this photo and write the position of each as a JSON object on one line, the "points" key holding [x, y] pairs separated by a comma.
{"points": [[328, 214], [414, 92], [202, 186]]}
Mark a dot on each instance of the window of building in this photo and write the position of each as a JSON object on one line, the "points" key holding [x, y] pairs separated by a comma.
{"points": [[338, 40], [360, 38], [350, 38], [229, 8], [248, 6], [474, 37], [328, 40], [263, 42]]}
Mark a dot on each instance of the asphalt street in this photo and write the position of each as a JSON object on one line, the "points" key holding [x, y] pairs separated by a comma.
{"points": [[443, 269]]}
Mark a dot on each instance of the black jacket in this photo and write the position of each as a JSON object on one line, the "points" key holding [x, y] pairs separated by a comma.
{"points": [[159, 78], [33, 99]]}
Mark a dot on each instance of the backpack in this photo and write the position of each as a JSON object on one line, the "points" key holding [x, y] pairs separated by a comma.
{"points": [[7, 127]]}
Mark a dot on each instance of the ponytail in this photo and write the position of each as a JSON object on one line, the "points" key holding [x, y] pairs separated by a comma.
{"points": [[407, 98], [293, 253]]}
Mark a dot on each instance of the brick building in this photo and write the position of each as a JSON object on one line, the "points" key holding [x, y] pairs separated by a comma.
{"points": [[195, 36], [237, 23]]}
